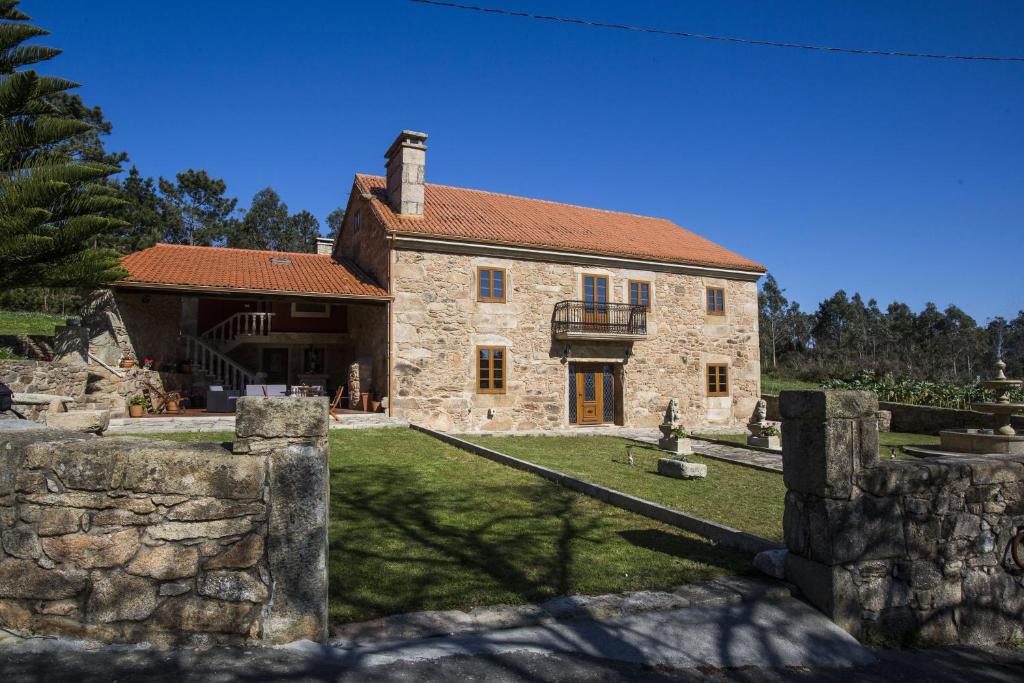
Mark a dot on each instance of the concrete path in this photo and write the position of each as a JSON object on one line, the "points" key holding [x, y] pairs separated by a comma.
{"points": [[765, 634], [752, 457], [226, 423]]}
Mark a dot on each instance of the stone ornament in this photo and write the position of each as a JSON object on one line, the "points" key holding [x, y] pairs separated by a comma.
{"points": [[757, 427]]}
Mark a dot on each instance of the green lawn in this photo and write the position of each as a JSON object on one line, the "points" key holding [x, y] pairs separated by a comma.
{"points": [[740, 497], [21, 322], [773, 385], [417, 524], [886, 441]]}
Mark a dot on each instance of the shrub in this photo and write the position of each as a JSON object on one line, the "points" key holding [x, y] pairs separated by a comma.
{"points": [[918, 392]]}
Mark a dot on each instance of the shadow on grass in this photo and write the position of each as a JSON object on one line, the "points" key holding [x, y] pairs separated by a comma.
{"points": [[404, 540]]}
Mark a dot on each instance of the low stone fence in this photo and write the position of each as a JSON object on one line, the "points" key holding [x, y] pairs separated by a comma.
{"points": [[128, 539], [43, 377], [914, 419], [898, 551]]}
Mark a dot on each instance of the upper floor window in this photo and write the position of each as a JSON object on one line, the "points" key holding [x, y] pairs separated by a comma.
{"points": [[716, 301], [640, 293], [718, 380], [490, 285], [490, 363], [310, 309]]}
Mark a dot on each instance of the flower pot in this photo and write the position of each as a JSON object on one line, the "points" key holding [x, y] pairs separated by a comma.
{"points": [[172, 406], [136, 411], [128, 363], [374, 406], [364, 401]]}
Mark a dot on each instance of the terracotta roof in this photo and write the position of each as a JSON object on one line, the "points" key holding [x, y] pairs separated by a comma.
{"points": [[247, 269], [492, 218]]}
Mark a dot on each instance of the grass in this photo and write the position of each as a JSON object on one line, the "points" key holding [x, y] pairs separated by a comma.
{"points": [[23, 322], [773, 385], [417, 524], [886, 441], [740, 497]]}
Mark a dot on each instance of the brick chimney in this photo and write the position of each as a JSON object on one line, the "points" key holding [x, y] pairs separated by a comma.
{"points": [[324, 246], [407, 158]]}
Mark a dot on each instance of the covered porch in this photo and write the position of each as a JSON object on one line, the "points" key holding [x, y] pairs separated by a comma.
{"points": [[323, 328]]}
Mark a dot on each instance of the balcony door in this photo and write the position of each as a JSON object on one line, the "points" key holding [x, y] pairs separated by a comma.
{"points": [[591, 393], [595, 300]]}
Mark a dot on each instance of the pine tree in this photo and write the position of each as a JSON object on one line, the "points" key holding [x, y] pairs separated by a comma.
{"points": [[199, 213], [54, 206]]}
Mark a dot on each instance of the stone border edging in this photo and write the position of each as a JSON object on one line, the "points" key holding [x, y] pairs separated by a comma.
{"points": [[719, 533]]}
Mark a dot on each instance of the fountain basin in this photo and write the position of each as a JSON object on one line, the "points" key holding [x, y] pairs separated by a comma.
{"points": [[979, 441]]}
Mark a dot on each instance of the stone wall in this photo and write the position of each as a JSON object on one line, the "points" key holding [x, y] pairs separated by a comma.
{"points": [[43, 377], [914, 419], [126, 540], [136, 324], [898, 551], [438, 323]]}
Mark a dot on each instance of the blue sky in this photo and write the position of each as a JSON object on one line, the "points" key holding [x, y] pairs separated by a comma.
{"points": [[899, 178]]}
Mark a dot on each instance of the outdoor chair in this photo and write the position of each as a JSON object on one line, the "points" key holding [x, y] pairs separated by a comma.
{"points": [[219, 400], [336, 401]]}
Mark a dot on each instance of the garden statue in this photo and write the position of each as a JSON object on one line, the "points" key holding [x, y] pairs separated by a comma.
{"points": [[763, 433], [673, 435], [674, 440]]}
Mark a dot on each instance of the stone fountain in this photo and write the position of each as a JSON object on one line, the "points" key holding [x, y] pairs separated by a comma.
{"points": [[1001, 438]]}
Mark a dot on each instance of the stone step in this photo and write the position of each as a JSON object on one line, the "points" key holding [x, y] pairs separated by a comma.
{"points": [[226, 423]]}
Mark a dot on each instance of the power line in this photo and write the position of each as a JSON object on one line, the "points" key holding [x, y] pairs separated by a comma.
{"points": [[704, 36]]}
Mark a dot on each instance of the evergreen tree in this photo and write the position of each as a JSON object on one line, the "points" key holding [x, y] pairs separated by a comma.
{"points": [[303, 229], [267, 225], [196, 212], [54, 205], [334, 221]]}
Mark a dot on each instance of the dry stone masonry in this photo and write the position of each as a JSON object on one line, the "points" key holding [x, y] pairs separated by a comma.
{"points": [[899, 551], [128, 539]]}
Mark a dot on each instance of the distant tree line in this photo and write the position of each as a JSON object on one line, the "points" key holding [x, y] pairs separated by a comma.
{"points": [[847, 336]]}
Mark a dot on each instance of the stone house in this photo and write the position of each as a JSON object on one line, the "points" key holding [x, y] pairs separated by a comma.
{"points": [[467, 310]]}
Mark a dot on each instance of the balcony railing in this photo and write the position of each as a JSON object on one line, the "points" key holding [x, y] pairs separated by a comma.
{"points": [[589, 320]]}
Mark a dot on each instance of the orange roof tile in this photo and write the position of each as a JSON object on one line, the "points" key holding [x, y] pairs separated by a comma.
{"points": [[479, 216], [247, 269]]}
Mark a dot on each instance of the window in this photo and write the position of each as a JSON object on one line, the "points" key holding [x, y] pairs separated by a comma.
{"points": [[490, 285], [716, 301], [640, 293], [310, 309], [718, 380], [490, 374], [595, 293]]}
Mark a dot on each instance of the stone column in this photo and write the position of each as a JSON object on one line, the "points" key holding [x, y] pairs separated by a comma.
{"points": [[828, 437], [292, 433]]}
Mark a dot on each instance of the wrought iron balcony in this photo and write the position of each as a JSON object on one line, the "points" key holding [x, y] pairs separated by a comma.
{"points": [[589, 320]]}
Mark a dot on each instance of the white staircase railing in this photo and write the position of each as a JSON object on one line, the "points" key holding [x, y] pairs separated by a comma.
{"points": [[213, 362], [244, 324]]}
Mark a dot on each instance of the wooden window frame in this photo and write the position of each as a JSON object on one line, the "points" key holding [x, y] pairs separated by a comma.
{"points": [[639, 283], [490, 370], [324, 313], [707, 302], [504, 285], [719, 369]]}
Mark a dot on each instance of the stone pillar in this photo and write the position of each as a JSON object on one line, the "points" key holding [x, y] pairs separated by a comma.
{"points": [[828, 437], [292, 433]]}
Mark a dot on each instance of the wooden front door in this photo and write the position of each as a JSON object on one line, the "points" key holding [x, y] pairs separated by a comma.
{"points": [[594, 387]]}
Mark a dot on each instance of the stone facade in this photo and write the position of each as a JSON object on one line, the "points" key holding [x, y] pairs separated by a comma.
{"points": [[438, 323], [123, 540], [899, 551]]}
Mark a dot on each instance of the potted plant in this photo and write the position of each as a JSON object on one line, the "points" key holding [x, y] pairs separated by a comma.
{"points": [[127, 361], [171, 402], [147, 363], [137, 405]]}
